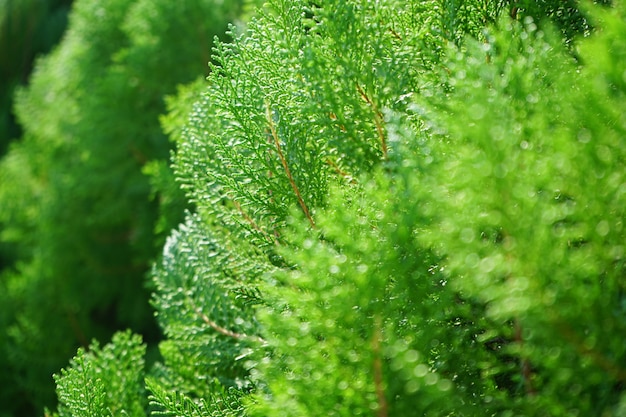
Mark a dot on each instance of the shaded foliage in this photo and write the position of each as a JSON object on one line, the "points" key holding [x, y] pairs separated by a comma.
{"points": [[75, 207], [27, 28]]}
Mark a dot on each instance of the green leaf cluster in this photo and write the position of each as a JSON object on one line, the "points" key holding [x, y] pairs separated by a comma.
{"points": [[104, 381]]}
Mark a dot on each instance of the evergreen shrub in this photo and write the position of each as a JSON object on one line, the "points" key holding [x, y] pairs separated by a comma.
{"points": [[75, 207], [402, 208]]}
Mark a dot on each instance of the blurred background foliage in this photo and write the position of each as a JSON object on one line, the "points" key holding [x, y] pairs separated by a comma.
{"points": [[28, 28]]}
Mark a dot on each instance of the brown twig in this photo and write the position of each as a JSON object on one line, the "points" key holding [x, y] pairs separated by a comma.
{"points": [[254, 225], [333, 117], [514, 11], [608, 365], [341, 172], [378, 120], [283, 160], [395, 34], [524, 363], [383, 408], [222, 330]]}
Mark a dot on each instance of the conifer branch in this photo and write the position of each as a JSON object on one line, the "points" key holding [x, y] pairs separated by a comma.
{"points": [[395, 34], [283, 160], [254, 225], [378, 120], [341, 172], [222, 330]]}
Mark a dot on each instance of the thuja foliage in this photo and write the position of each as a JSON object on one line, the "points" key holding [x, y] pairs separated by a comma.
{"points": [[403, 208], [75, 205], [27, 28], [108, 378]]}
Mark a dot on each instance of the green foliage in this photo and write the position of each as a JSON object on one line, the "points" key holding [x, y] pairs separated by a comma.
{"points": [[447, 273], [27, 28], [365, 320], [401, 208], [527, 205], [204, 298], [249, 152], [219, 403], [104, 381], [74, 204], [567, 16]]}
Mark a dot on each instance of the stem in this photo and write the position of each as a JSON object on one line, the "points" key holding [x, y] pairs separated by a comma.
{"points": [[383, 408], [283, 160], [222, 330], [514, 10], [395, 34], [254, 225], [607, 364], [524, 364], [339, 171], [378, 120]]}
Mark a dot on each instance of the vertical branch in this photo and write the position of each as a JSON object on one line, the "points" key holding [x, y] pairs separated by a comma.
{"points": [[524, 363], [378, 120], [514, 10], [383, 408], [283, 160]]}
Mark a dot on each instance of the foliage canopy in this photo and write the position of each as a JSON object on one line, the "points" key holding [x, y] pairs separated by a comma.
{"points": [[401, 208]]}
